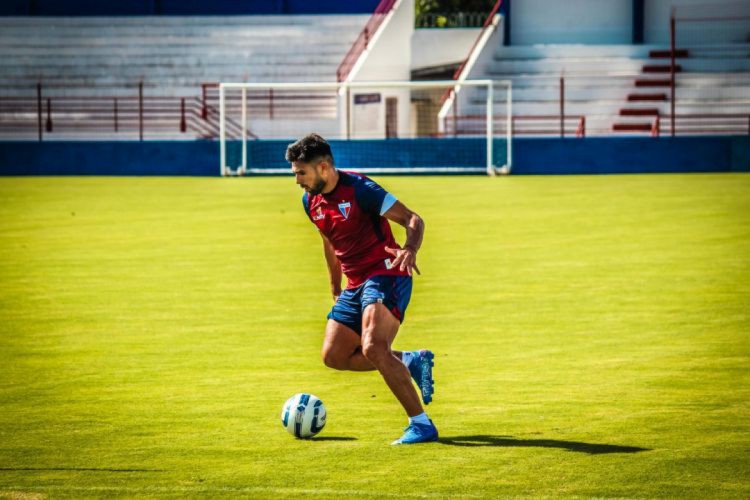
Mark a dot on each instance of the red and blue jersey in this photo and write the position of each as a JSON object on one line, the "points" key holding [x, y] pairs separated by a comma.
{"points": [[351, 217]]}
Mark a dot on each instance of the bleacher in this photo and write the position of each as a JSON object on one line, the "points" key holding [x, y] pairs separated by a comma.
{"points": [[172, 54], [81, 61], [621, 88], [108, 76]]}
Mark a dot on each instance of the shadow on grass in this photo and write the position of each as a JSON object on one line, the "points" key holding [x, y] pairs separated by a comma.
{"points": [[509, 442], [332, 438], [77, 469]]}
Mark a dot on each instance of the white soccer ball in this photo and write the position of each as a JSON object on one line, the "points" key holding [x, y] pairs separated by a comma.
{"points": [[303, 415]]}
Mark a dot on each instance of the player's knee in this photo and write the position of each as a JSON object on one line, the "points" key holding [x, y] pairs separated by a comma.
{"points": [[375, 351], [333, 360]]}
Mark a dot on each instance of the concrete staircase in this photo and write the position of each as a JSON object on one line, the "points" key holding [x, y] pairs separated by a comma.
{"points": [[90, 69], [173, 55], [709, 80], [618, 88]]}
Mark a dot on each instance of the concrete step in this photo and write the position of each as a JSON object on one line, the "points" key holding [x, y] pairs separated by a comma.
{"points": [[661, 68], [632, 127], [569, 50], [566, 66], [667, 54], [181, 22], [647, 82], [639, 112], [716, 65], [155, 44], [118, 65], [647, 97]]}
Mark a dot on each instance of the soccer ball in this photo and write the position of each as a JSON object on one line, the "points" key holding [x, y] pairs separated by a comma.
{"points": [[303, 415]]}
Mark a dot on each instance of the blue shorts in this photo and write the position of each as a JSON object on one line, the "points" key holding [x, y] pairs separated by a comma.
{"points": [[393, 292]]}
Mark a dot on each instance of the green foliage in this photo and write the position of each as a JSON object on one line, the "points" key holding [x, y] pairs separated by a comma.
{"points": [[451, 13], [591, 337], [444, 6]]}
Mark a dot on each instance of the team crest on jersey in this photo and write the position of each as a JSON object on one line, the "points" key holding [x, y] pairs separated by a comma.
{"points": [[319, 215], [345, 208]]}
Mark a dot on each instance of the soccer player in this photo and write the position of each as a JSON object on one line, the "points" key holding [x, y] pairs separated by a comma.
{"points": [[351, 212]]}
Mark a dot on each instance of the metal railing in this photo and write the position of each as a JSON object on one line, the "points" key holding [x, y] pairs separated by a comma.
{"points": [[529, 125], [595, 94], [363, 40], [719, 27], [563, 104], [705, 124], [487, 25], [126, 116]]}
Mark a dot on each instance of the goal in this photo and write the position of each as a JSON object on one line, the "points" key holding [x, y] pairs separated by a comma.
{"points": [[414, 127]]}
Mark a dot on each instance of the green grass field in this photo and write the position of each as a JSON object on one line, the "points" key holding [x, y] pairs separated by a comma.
{"points": [[592, 337]]}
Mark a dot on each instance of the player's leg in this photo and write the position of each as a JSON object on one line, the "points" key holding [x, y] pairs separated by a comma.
{"points": [[342, 349], [342, 346], [394, 292], [385, 299], [379, 329]]}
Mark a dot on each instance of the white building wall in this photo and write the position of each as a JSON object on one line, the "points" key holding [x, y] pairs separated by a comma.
{"points": [[387, 59], [436, 47], [658, 12], [572, 21]]}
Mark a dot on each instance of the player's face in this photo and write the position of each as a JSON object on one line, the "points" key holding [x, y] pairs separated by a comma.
{"points": [[307, 176]]}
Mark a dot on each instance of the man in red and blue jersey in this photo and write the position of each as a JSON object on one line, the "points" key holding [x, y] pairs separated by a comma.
{"points": [[351, 213]]}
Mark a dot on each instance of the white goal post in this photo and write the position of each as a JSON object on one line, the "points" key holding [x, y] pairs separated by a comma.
{"points": [[415, 120]]}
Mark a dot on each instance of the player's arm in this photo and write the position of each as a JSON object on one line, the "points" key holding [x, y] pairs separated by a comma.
{"points": [[334, 267], [406, 258]]}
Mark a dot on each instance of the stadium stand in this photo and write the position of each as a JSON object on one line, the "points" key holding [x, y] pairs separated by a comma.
{"points": [[611, 88], [94, 65], [104, 76], [623, 87]]}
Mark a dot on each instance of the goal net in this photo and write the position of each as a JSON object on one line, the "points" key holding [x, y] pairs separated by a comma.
{"points": [[373, 127]]}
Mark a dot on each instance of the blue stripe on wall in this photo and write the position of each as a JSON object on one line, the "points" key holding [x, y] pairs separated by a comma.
{"points": [[91, 8], [599, 155], [740, 155], [15, 8], [109, 158], [609, 155], [182, 7]]}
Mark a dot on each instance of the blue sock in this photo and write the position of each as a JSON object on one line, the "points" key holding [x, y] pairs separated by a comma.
{"points": [[420, 419]]}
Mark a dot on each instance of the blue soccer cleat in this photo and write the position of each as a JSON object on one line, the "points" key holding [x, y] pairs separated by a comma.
{"points": [[421, 371], [418, 433]]}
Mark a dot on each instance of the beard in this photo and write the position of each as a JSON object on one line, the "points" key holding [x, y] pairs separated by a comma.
{"points": [[317, 187]]}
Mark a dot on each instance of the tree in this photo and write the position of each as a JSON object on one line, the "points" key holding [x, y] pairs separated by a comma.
{"points": [[449, 6], [451, 13]]}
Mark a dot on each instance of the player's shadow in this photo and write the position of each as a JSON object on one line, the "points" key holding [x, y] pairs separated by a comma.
{"points": [[510, 442]]}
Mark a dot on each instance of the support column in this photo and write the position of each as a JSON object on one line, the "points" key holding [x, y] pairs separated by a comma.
{"points": [[505, 11], [638, 20]]}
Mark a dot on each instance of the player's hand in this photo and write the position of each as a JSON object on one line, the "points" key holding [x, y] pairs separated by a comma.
{"points": [[336, 296], [406, 259]]}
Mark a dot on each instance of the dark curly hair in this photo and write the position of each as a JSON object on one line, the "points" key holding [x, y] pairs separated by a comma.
{"points": [[309, 149]]}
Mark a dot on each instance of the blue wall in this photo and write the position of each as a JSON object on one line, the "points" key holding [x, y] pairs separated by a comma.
{"points": [[109, 158], [90, 7], [181, 7], [15, 8], [606, 155]]}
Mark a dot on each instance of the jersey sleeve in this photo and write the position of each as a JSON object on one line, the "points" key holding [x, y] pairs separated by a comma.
{"points": [[306, 203], [372, 198]]}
